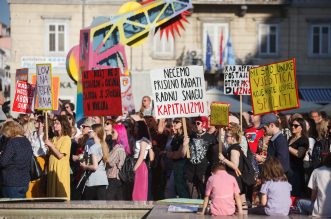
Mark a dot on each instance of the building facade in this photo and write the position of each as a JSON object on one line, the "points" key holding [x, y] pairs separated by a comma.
{"points": [[259, 32]]}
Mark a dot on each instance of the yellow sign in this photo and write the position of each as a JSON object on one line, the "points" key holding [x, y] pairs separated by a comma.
{"points": [[274, 87], [219, 114]]}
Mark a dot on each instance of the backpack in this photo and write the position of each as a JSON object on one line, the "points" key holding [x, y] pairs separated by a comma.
{"points": [[126, 173], [320, 151], [250, 168]]}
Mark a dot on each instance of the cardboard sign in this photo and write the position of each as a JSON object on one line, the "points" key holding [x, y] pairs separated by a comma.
{"points": [[179, 92], [56, 91], [44, 87], [24, 96], [22, 74], [274, 87], [236, 79], [219, 114], [102, 92]]}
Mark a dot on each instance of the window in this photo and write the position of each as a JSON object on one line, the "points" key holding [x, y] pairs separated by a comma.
{"points": [[320, 40], [56, 37], [217, 32], [268, 39], [163, 47]]}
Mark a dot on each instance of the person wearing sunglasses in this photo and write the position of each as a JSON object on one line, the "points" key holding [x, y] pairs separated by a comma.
{"points": [[200, 144], [178, 158], [298, 145]]}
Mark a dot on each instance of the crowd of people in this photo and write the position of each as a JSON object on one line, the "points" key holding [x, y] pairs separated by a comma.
{"points": [[290, 156]]}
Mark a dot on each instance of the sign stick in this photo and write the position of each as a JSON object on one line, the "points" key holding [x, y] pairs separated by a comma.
{"points": [[219, 141], [185, 136], [241, 112], [46, 124]]}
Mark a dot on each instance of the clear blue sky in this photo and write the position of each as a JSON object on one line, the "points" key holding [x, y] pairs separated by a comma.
{"points": [[4, 12]]}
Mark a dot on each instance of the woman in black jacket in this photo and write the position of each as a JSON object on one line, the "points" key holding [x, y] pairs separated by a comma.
{"points": [[15, 161]]}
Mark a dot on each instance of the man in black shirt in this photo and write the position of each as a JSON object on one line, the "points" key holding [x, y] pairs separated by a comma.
{"points": [[195, 169]]}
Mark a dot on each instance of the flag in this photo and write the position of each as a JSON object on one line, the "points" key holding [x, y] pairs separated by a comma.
{"points": [[209, 52], [230, 59], [221, 49]]}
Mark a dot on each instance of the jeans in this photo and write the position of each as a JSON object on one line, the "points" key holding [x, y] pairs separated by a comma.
{"points": [[14, 192], [305, 206]]}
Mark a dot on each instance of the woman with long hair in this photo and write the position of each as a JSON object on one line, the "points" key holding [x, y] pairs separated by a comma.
{"points": [[98, 156], [15, 161], [275, 190], [58, 176], [177, 154], [116, 160], [298, 145], [146, 106], [37, 139], [142, 148]]}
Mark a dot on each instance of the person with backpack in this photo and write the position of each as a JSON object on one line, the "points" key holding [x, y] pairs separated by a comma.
{"points": [[275, 190], [233, 159], [116, 160]]}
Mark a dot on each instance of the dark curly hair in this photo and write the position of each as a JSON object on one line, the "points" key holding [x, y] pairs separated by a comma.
{"points": [[66, 128]]}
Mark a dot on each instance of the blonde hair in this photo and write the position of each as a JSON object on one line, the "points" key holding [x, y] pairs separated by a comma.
{"points": [[236, 132], [100, 132], [12, 129]]}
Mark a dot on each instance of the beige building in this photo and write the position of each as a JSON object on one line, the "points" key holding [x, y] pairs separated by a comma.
{"points": [[261, 32]]}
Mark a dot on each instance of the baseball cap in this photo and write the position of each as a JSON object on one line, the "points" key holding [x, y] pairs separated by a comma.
{"points": [[267, 119]]}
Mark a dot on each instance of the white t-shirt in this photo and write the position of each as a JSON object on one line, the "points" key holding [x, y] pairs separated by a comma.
{"points": [[320, 181], [310, 149], [137, 148]]}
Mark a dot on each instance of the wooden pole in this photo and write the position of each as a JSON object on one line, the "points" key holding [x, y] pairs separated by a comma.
{"points": [[241, 112], [219, 141], [46, 124], [185, 136]]}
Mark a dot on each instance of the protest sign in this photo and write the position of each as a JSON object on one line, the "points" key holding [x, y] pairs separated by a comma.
{"points": [[274, 87], [236, 79], [22, 74], [102, 92], [24, 95], [44, 87], [56, 91], [179, 92], [219, 114]]}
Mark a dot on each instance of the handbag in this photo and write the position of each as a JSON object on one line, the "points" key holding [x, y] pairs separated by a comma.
{"points": [[82, 181], [35, 170]]}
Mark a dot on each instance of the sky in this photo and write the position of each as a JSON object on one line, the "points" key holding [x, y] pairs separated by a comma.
{"points": [[4, 12]]}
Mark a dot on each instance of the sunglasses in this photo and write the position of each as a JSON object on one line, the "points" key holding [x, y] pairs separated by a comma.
{"points": [[84, 126], [198, 123], [67, 107], [295, 125], [176, 122], [107, 123]]}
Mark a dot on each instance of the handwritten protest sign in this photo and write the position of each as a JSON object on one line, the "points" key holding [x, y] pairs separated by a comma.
{"points": [[22, 74], [44, 87], [219, 114], [102, 92], [179, 92], [274, 87], [24, 95], [55, 88], [236, 79]]}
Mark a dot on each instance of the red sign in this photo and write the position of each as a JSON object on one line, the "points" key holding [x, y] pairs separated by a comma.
{"points": [[102, 92], [23, 101]]}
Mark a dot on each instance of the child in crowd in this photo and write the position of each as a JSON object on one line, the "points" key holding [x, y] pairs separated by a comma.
{"points": [[275, 190], [223, 190]]}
